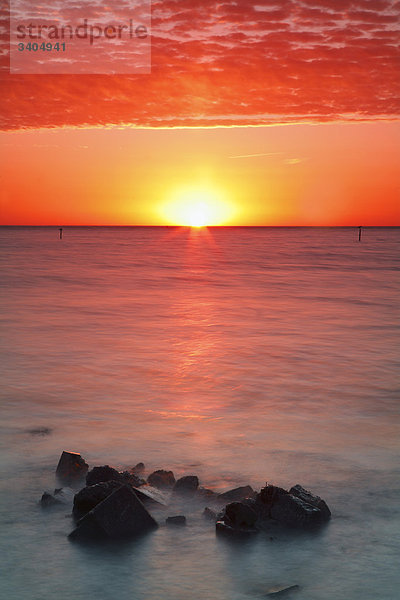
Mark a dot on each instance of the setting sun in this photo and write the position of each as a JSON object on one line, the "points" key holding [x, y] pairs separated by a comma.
{"points": [[197, 207]]}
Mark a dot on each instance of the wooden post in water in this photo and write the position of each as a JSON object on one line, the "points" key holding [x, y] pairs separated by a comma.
{"points": [[359, 232], [60, 230]]}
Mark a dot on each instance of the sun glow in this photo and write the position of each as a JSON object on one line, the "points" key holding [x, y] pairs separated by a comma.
{"points": [[197, 207]]}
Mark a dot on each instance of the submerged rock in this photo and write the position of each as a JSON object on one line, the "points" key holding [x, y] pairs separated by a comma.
{"points": [[90, 496], [178, 520], [59, 496], [65, 495], [280, 592], [71, 468], [48, 500], [161, 479], [186, 485], [40, 431], [237, 494], [120, 515]]}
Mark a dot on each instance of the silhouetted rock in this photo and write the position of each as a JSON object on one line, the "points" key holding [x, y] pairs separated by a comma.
{"points": [[294, 512], [206, 494], [237, 494], [92, 495], [280, 592], [40, 431], [238, 514], [186, 485], [71, 468], [251, 502], [161, 479], [131, 479], [237, 532], [306, 496], [267, 496], [210, 514], [278, 504], [64, 494], [237, 519], [107, 473], [102, 474], [120, 515], [48, 500], [59, 496], [178, 520], [138, 469], [150, 495]]}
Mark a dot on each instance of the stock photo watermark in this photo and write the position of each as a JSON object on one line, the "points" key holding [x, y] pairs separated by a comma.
{"points": [[92, 37]]}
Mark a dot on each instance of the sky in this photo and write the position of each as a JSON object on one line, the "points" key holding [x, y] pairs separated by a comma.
{"points": [[258, 112]]}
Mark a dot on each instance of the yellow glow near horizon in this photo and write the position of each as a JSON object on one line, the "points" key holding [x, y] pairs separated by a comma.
{"points": [[197, 207]]}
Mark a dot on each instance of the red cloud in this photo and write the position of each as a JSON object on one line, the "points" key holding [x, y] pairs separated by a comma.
{"points": [[232, 63]]}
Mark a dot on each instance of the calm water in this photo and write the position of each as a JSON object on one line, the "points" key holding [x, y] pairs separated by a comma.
{"points": [[241, 355]]}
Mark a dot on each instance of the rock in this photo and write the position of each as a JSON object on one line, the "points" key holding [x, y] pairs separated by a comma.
{"points": [[210, 514], [49, 500], [186, 485], [107, 473], [59, 496], [306, 496], [237, 519], [40, 431], [91, 496], [266, 498], [161, 479], [151, 495], [131, 479], [71, 468], [138, 469], [250, 502], [64, 495], [178, 520], [206, 493], [293, 512], [226, 529], [120, 515], [280, 592], [101, 474], [238, 514], [276, 503], [237, 494]]}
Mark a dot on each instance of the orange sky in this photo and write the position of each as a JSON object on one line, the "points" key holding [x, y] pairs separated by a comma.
{"points": [[89, 149], [331, 174]]}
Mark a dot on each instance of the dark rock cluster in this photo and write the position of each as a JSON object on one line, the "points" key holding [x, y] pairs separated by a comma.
{"points": [[296, 508], [116, 504]]}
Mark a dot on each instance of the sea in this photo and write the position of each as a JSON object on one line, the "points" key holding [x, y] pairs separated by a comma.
{"points": [[242, 355]]}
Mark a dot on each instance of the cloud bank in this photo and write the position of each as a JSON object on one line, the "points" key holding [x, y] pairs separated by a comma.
{"points": [[230, 63]]}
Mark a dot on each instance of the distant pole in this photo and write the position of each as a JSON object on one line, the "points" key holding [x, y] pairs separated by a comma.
{"points": [[359, 232], [60, 230]]}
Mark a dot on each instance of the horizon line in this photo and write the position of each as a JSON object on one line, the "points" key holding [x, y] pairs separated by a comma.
{"points": [[58, 226]]}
